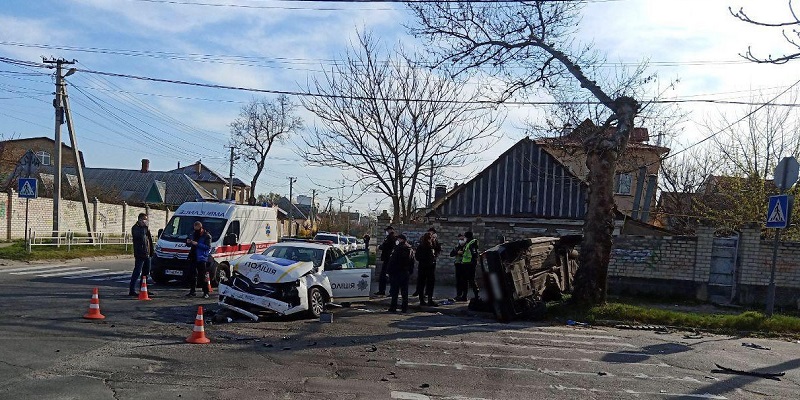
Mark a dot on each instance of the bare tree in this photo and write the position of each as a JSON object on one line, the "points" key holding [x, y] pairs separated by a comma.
{"points": [[259, 125], [792, 38], [680, 207], [393, 123], [529, 44]]}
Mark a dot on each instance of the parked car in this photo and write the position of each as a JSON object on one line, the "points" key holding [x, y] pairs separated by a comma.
{"points": [[235, 230], [351, 243], [335, 238], [295, 277]]}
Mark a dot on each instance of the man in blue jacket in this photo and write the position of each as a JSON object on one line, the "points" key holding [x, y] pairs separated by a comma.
{"points": [[199, 255]]}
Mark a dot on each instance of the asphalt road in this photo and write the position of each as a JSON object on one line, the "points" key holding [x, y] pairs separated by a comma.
{"points": [[47, 351]]}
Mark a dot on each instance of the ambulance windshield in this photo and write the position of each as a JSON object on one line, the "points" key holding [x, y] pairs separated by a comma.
{"points": [[181, 226]]}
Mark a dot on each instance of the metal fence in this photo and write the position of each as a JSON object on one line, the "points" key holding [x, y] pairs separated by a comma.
{"points": [[69, 238]]}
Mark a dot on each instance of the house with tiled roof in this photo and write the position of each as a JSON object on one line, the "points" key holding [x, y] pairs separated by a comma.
{"points": [[214, 182]]}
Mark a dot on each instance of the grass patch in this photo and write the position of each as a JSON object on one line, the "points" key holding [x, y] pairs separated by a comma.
{"points": [[748, 321], [17, 251]]}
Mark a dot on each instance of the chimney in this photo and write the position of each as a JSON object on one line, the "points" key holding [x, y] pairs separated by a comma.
{"points": [[439, 192], [199, 167], [179, 165], [145, 165]]}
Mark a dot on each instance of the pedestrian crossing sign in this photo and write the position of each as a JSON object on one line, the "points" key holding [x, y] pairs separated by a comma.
{"points": [[27, 188], [779, 211]]}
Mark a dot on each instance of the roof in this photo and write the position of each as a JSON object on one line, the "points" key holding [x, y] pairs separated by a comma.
{"points": [[133, 186], [205, 175], [49, 139], [299, 211], [637, 140], [239, 183]]}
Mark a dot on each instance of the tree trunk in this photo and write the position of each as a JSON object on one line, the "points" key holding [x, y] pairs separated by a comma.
{"points": [[397, 208], [602, 152]]}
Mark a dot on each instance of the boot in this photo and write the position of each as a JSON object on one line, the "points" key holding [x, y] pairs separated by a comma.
{"points": [[422, 301], [431, 302]]}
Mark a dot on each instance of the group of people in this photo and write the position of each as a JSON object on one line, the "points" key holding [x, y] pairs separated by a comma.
{"points": [[398, 258], [199, 254]]}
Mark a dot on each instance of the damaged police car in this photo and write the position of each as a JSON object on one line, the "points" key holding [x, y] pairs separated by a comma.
{"points": [[295, 277]]}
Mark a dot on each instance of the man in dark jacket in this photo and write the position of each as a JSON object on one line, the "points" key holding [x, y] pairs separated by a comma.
{"points": [[426, 254], [142, 252], [461, 273], [470, 261], [400, 267], [199, 255], [386, 251]]}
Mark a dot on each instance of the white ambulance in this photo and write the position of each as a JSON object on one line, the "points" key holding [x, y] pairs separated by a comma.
{"points": [[235, 230]]}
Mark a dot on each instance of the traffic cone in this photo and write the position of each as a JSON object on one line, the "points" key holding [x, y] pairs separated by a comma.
{"points": [[208, 283], [198, 335], [94, 307], [143, 290]]}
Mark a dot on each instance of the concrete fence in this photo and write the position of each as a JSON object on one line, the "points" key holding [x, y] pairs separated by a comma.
{"points": [[111, 219]]}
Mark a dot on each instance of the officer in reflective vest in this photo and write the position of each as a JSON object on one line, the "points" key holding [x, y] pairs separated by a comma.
{"points": [[469, 260]]}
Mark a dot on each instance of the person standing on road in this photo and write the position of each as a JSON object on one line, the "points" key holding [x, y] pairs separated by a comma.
{"points": [[400, 267], [386, 252], [461, 274], [426, 254], [199, 253], [142, 252], [366, 242], [469, 259]]}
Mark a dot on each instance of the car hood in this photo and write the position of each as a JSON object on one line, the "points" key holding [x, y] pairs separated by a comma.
{"points": [[260, 268]]}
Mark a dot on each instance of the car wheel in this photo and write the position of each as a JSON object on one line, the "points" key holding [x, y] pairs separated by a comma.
{"points": [[316, 302], [159, 277]]}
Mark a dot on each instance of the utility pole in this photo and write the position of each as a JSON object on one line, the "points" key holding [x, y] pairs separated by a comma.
{"points": [[292, 180], [73, 139], [313, 211], [230, 179], [59, 106], [348, 220]]}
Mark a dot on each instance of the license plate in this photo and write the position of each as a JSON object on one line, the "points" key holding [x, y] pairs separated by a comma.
{"points": [[173, 272]]}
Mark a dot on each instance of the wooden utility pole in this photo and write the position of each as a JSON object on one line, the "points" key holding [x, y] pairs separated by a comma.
{"points": [[230, 179], [73, 139], [292, 180]]}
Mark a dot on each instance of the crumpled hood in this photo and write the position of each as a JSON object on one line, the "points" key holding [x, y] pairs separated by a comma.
{"points": [[260, 268]]}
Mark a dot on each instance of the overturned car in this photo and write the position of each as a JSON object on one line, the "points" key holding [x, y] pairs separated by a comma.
{"points": [[520, 276], [295, 277]]}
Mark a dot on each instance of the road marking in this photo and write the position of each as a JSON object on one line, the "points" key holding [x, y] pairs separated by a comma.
{"points": [[409, 396], [586, 360], [118, 275], [39, 272], [88, 271], [546, 371], [574, 335], [520, 346], [94, 275], [29, 268], [588, 343]]}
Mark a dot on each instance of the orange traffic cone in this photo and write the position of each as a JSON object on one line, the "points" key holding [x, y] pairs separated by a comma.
{"points": [[208, 283], [198, 335], [143, 290], [94, 307]]}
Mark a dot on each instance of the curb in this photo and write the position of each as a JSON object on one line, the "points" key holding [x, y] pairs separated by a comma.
{"points": [[6, 262]]}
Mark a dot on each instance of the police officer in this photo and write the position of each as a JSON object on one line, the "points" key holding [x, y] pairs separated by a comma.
{"points": [[386, 251], [199, 253], [400, 267], [461, 274], [469, 258]]}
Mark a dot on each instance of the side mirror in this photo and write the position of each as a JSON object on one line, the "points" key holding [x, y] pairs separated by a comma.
{"points": [[160, 231], [336, 266]]}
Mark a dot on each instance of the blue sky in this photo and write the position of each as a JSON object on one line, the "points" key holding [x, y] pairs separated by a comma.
{"points": [[121, 121]]}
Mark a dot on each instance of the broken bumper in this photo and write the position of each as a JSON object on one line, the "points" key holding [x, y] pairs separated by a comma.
{"points": [[266, 303]]}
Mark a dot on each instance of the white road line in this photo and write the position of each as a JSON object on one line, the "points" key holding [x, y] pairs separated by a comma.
{"points": [[586, 360], [39, 272], [518, 346], [29, 268], [586, 342], [546, 371], [88, 271], [94, 275], [118, 275], [574, 335], [409, 396]]}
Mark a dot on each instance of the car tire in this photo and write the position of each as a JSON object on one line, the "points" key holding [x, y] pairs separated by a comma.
{"points": [[316, 302], [159, 277]]}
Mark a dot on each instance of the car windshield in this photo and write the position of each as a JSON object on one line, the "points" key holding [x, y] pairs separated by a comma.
{"points": [[332, 238], [180, 227], [351, 240], [295, 253]]}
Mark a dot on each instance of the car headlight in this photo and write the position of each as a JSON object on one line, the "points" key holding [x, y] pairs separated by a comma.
{"points": [[158, 247]]}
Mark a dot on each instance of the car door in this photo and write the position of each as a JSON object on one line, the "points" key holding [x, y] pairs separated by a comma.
{"points": [[348, 277]]}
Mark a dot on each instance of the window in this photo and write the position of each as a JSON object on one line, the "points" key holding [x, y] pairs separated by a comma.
{"points": [[44, 157], [622, 183], [295, 253]]}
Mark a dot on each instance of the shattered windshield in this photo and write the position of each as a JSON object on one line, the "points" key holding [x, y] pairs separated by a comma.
{"points": [[295, 253]]}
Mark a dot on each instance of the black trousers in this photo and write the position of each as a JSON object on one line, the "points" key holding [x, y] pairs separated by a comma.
{"points": [[399, 286], [470, 269], [382, 277], [465, 279], [197, 275], [426, 279]]}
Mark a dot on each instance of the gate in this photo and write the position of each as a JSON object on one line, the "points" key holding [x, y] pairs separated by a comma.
{"points": [[721, 279]]}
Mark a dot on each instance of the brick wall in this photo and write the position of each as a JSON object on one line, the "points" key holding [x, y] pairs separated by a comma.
{"points": [[114, 219]]}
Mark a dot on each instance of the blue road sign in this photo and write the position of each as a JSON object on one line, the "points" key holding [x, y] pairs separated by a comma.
{"points": [[779, 211], [26, 187]]}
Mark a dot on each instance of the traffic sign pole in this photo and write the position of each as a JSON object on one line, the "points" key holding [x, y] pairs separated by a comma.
{"points": [[27, 202], [786, 170]]}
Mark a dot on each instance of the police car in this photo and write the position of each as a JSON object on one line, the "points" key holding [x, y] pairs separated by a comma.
{"points": [[295, 277]]}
